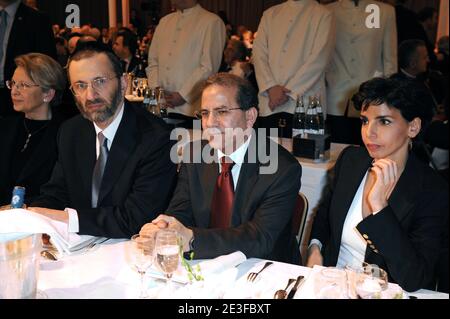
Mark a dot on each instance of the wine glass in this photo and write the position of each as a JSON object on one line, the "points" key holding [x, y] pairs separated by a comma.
{"points": [[142, 257], [135, 86], [167, 252], [371, 281]]}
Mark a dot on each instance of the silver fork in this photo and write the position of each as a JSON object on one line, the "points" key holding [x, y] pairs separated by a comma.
{"points": [[252, 276]]}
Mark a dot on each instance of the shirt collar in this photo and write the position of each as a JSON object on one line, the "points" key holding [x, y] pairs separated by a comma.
{"points": [[11, 9], [189, 11], [111, 130], [238, 155], [351, 4]]}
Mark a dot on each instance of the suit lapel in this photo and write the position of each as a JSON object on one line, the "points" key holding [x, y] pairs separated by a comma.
{"points": [[18, 28], [406, 190], [248, 176], [85, 156], [122, 147], [208, 174], [351, 178]]}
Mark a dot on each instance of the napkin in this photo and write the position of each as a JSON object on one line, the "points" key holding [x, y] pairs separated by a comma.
{"points": [[208, 268], [19, 223]]}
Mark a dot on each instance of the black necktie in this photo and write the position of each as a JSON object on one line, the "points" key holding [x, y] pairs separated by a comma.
{"points": [[99, 168], [223, 197]]}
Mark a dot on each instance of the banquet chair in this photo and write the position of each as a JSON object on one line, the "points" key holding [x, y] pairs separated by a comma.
{"points": [[299, 217]]}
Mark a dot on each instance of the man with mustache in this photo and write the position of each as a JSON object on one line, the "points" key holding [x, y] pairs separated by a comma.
{"points": [[114, 171], [233, 203]]}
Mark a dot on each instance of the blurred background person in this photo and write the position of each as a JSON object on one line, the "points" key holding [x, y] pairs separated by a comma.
{"points": [[360, 54], [384, 206], [125, 46], [28, 140]]}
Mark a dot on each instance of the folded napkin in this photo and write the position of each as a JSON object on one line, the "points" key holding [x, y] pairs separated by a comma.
{"points": [[18, 223], [208, 268]]}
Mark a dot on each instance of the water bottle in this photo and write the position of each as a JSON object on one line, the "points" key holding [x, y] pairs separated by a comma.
{"points": [[151, 103], [162, 104], [320, 116], [18, 197], [298, 124]]}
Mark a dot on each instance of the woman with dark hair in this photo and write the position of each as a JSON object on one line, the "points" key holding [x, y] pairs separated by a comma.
{"points": [[384, 206], [28, 141]]}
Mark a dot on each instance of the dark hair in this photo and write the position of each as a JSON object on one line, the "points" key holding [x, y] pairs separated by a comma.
{"points": [[407, 52], [246, 96], [239, 49], [405, 95], [426, 13], [91, 48], [129, 40]]}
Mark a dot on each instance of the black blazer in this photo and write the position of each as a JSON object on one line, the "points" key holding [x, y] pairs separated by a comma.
{"points": [[262, 211], [39, 167], [137, 183], [403, 238], [31, 32]]}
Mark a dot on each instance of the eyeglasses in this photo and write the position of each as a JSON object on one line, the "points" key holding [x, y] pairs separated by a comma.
{"points": [[79, 88], [20, 86], [218, 113]]}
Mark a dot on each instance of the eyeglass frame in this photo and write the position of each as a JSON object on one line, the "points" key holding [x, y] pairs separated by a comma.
{"points": [[20, 86], [106, 78], [215, 112]]}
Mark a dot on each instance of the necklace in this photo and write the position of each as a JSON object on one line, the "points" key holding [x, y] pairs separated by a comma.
{"points": [[30, 134]]}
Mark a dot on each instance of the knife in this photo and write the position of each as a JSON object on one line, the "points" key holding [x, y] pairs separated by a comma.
{"points": [[294, 289]]}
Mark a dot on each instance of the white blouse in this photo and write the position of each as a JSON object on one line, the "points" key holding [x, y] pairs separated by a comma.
{"points": [[353, 245]]}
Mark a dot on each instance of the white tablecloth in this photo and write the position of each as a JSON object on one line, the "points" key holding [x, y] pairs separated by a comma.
{"points": [[104, 272]]}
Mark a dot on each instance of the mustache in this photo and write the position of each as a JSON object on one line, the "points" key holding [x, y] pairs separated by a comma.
{"points": [[95, 101]]}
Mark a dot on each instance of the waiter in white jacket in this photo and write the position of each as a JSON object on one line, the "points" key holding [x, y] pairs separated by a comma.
{"points": [[366, 47], [293, 47], [186, 49]]}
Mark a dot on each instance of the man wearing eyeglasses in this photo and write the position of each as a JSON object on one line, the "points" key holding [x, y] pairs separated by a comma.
{"points": [[114, 171], [232, 203]]}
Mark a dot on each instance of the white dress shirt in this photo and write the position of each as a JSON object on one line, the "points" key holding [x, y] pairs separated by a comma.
{"points": [[361, 53], [293, 48], [238, 158], [11, 14], [186, 49], [109, 133]]}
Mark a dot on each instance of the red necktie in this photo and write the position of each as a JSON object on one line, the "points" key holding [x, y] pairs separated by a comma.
{"points": [[222, 201]]}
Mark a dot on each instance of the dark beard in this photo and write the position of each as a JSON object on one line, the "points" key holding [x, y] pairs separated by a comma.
{"points": [[105, 114]]}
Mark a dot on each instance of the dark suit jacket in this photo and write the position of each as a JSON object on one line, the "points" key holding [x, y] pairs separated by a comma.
{"points": [[30, 32], [262, 211], [39, 167], [138, 179], [403, 238]]}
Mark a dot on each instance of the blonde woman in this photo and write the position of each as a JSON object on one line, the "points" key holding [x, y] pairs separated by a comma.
{"points": [[28, 141]]}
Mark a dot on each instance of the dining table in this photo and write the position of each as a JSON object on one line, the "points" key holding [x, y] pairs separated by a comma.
{"points": [[105, 271]]}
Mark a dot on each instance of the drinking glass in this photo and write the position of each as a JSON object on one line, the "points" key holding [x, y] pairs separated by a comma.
{"points": [[142, 257], [135, 86], [167, 252], [331, 283], [371, 281]]}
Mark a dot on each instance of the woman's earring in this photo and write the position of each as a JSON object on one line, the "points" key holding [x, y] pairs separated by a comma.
{"points": [[410, 144]]}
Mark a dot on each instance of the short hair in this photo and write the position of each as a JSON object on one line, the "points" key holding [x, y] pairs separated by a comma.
{"points": [[44, 71], [407, 52], [240, 50], [91, 48], [129, 40], [246, 95], [407, 96]]}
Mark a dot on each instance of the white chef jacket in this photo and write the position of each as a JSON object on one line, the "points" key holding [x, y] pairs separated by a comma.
{"points": [[361, 53], [187, 48], [293, 48]]}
